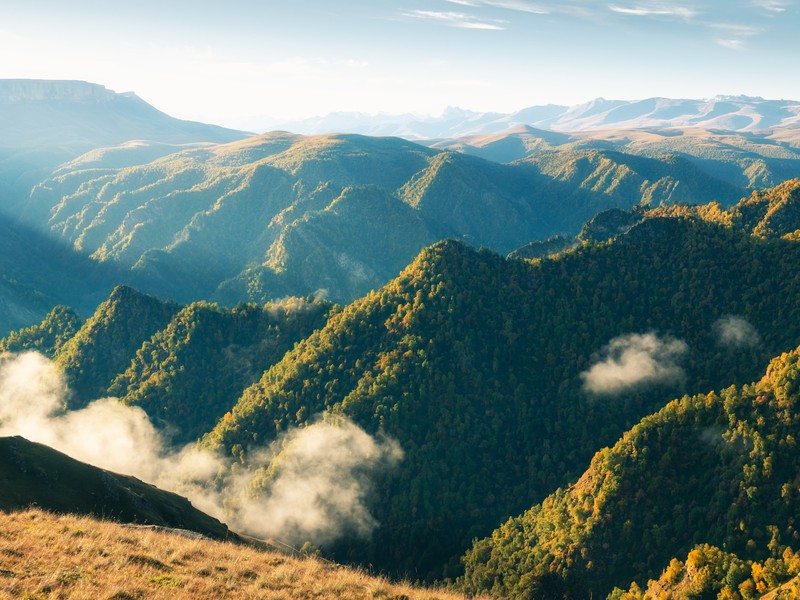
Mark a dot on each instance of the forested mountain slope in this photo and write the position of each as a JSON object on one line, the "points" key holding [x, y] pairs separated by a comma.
{"points": [[107, 341], [185, 366], [767, 213], [717, 468], [483, 369], [189, 374], [58, 327], [474, 364], [709, 572], [38, 273]]}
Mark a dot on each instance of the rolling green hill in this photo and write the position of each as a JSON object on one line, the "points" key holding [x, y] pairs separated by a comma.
{"points": [[282, 214], [744, 160], [663, 179]]}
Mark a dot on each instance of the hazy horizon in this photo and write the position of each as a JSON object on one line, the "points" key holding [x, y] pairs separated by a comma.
{"points": [[253, 63]]}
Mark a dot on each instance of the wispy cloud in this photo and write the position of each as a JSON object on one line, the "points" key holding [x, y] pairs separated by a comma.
{"points": [[732, 43], [655, 9], [728, 35], [736, 332], [773, 6], [543, 7], [518, 5], [737, 30], [455, 19], [734, 36]]}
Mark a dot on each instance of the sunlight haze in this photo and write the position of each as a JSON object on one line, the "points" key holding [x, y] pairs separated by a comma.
{"points": [[248, 64]]}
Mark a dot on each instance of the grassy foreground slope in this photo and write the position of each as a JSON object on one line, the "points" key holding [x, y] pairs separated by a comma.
{"points": [[43, 555]]}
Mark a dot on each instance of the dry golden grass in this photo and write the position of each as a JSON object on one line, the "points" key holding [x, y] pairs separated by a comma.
{"points": [[56, 556]]}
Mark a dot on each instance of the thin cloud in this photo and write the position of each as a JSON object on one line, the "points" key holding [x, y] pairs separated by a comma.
{"points": [[735, 36], [773, 6], [655, 10], [454, 19], [517, 5], [736, 332], [737, 30], [576, 10], [732, 43]]}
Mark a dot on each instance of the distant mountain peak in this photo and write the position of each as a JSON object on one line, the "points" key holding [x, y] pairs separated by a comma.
{"points": [[723, 112], [455, 111], [738, 98]]}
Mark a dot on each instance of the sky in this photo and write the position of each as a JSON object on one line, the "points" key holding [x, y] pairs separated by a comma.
{"points": [[249, 64]]}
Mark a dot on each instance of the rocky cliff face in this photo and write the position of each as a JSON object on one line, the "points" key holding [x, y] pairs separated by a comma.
{"points": [[13, 91]]}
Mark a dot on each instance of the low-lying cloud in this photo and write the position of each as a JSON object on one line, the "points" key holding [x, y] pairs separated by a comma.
{"points": [[295, 304], [635, 360], [313, 485], [735, 332], [317, 487]]}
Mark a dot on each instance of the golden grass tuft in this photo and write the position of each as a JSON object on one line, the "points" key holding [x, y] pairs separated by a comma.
{"points": [[46, 556]]}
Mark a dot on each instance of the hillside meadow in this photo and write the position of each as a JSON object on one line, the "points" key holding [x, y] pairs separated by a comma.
{"points": [[44, 555]]}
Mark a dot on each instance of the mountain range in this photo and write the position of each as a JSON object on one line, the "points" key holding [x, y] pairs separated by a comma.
{"points": [[165, 207], [528, 363], [475, 364], [726, 113], [282, 214]]}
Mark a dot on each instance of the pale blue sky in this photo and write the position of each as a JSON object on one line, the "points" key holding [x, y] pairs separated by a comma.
{"points": [[237, 62]]}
